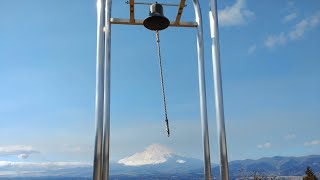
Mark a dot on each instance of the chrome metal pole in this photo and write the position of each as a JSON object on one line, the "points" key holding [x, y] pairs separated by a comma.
{"points": [[107, 74], [97, 164], [202, 89], [213, 15]]}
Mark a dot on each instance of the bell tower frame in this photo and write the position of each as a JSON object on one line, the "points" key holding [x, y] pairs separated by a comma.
{"points": [[103, 66]]}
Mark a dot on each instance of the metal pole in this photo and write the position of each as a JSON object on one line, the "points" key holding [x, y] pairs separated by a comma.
{"points": [[202, 89], [97, 164], [213, 15], [106, 110]]}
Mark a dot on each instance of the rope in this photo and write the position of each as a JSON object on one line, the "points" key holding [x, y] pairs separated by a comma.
{"points": [[162, 85]]}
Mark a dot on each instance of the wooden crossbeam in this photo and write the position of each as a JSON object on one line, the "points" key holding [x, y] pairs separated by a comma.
{"points": [[140, 22], [132, 11], [180, 10]]}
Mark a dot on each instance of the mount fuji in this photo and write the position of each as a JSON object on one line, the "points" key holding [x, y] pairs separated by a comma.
{"points": [[154, 154], [155, 159]]}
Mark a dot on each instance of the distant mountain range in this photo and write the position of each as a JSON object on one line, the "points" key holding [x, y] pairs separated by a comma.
{"points": [[159, 162], [278, 166]]}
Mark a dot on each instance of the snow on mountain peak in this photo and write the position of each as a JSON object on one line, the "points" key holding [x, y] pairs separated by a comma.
{"points": [[153, 154]]}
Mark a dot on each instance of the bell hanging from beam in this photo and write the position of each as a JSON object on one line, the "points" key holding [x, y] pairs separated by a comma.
{"points": [[156, 20]]}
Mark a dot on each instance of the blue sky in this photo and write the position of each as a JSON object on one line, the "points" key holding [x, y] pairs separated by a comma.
{"points": [[270, 70]]}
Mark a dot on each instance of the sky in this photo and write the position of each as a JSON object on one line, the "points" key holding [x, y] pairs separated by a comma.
{"points": [[270, 73]]}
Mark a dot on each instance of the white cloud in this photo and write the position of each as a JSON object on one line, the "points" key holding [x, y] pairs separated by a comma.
{"points": [[236, 14], [252, 49], [299, 30], [275, 40], [312, 143], [305, 24], [296, 33], [23, 156], [16, 150], [290, 136], [314, 20], [265, 145], [180, 161], [289, 17]]}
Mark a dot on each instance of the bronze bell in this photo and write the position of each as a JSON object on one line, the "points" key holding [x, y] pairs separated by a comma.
{"points": [[156, 20]]}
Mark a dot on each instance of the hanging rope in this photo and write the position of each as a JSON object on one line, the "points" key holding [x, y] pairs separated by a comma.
{"points": [[162, 85]]}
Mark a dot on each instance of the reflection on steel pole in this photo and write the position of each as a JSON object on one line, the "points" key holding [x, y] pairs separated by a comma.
{"points": [[202, 88], [106, 110], [224, 172], [97, 164]]}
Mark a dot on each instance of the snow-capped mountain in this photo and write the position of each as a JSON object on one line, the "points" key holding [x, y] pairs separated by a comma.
{"points": [[154, 154], [156, 158]]}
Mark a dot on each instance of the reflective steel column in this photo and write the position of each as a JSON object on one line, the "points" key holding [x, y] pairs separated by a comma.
{"points": [[202, 88], [213, 16], [97, 164], [107, 74]]}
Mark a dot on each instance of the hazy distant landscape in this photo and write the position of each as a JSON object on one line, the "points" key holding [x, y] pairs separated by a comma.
{"points": [[159, 162]]}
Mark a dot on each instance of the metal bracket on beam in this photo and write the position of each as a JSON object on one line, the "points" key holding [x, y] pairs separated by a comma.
{"points": [[140, 22]]}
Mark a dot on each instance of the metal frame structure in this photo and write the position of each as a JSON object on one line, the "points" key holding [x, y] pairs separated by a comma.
{"points": [[103, 67], [222, 142]]}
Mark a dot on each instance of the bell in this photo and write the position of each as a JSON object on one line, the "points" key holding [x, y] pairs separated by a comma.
{"points": [[156, 20]]}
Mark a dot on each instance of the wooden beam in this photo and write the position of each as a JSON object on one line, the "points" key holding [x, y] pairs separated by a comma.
{"points": [[132, 11], [140, 22], [180, 10]]}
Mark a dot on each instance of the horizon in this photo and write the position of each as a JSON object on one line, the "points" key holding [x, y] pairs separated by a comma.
{"points": [[170, 152], [270, 78], [160, 158]]}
